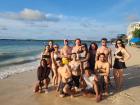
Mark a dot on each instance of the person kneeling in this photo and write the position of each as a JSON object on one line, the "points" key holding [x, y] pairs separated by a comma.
{"points": [[89, 83], [43, 72], [65, 81]]}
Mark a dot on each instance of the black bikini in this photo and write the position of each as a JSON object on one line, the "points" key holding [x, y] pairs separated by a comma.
{"points": [[117, 63]]}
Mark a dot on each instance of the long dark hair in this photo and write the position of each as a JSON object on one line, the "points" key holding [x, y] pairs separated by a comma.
{"points": [[85, 47], [90, 47], [44, 61], [121, 43]]}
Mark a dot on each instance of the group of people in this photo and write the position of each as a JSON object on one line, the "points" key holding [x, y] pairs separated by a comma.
{"points": [[81, 69]]}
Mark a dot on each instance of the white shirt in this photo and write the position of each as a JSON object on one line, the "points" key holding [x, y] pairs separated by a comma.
{"points": [[89, 81]]}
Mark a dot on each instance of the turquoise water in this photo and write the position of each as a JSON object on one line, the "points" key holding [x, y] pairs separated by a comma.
{"points": [[22, 55]]}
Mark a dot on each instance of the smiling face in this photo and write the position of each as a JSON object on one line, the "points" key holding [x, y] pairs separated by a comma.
{"points": [[47, 48], [87, 73], [78, 42], [50, 43], [83, 47], [56, 47], [65, 42], [104, 42], [119, 43], [93, 46], [59, 63], [102, 58]]}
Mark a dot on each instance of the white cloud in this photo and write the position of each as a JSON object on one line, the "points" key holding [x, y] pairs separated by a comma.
{"points": [[29, 14], [32, 15], [39, 25]]}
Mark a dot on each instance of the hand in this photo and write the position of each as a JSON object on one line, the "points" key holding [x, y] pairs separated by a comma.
{"points": [[121, 60]]}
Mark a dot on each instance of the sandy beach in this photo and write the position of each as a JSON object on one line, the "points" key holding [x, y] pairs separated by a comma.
{"points": [[18, 89]]}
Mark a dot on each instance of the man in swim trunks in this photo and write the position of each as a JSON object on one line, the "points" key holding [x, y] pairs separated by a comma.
{"points": [[66, 52], [102, 72], [76, 68], [65, 81]]}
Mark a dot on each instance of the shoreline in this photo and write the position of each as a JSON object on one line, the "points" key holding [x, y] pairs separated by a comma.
{"points": [[18, 89]]}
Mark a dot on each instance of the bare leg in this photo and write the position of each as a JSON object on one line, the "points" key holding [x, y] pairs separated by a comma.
{"points": [[36, 87], [67, 90], [106, 85], [46, 82], [121, 79], [95, 86], [116, 78], [54, 76]]}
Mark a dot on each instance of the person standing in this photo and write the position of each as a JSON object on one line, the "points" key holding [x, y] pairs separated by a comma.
{"points": [[92, 51], [66, 52], [121, 56]]}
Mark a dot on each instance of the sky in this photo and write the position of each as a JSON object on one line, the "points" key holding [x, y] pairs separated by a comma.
{"points": [[60, 19]]}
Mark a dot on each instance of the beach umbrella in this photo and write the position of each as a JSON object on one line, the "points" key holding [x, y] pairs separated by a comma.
{"points": [[135, 40]]}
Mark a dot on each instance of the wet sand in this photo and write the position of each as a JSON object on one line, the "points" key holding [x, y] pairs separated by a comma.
{"points": [[18, 89]]}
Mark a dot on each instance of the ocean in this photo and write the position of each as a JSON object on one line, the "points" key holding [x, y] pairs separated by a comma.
{"points": [[17, 56]]}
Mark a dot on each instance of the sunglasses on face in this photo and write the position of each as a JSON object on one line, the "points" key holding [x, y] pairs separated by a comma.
{"points": [[119, 43]]}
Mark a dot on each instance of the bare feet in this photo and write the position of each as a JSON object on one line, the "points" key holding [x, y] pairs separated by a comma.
{"points": [[98, 98]]}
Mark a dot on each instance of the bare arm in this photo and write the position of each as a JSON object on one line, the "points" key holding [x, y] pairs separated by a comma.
{"points": [[59, 81], [110, 57], [96, 67], [61, 53], [126, 55], [107, 70], [97, 53], [86, 59]]}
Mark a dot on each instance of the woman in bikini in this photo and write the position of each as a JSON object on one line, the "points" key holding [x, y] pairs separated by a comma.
{"points": [[84, 57], [54, 55], [121, 56]]}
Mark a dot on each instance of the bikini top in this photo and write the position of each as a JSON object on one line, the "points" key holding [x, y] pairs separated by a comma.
{"points": [[46, 57], [119, 54], [55, 56]]}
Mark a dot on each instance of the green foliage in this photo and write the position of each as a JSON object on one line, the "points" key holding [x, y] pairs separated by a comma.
{"points": [[136, 33], [123, 37]]}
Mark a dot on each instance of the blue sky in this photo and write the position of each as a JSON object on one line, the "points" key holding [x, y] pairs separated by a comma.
{"points": [[59, 19]]}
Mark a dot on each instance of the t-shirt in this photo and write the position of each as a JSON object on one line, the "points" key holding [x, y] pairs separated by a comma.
{"points": [[89, 81]]}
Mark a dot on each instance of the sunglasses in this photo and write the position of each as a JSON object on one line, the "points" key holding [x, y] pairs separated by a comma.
{"points": [[119, 43], [55, 47]]}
